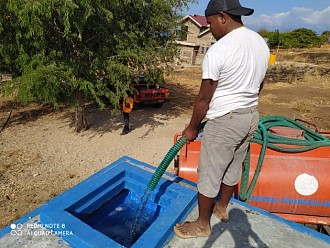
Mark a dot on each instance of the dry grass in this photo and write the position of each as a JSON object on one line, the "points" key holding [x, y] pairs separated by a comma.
{"points": [[188, 76], [268, 98], [279, 85], [307, 79], [301, 106], [307, 55], [319, 80], [296, 86]]}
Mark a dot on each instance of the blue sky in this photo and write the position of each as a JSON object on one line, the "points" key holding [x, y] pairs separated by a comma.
{"points": [[285, 15]]}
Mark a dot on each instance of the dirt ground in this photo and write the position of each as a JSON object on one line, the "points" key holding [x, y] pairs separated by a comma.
{"points": [[41, 155]]}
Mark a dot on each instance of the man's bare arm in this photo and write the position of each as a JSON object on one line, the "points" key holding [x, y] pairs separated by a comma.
{"points": [[201, 106]]}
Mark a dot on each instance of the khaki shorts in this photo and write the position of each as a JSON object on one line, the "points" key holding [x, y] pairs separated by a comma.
{"points": [[224, 145]]}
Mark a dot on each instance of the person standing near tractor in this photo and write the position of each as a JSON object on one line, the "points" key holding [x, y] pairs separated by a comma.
{"points": [[233, 71], [128, 104]]}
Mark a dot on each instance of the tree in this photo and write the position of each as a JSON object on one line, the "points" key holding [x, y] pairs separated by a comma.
{"points": [[300, 38], [264, 32], [274, 39], [73, 51], [325, 37]]}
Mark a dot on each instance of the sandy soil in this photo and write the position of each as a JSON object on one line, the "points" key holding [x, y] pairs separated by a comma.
{"points": [[41, 155]]}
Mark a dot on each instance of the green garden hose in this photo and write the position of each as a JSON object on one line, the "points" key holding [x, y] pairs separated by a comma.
{"points": [[168, 159], [312, 141]]}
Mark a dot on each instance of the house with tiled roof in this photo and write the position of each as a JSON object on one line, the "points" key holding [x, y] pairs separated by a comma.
{"points": [[195, 40]]}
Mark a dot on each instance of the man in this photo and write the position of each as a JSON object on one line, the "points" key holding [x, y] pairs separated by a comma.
{"points": [[127, 109], [233, 72]]}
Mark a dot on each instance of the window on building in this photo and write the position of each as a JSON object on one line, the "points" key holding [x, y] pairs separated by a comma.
{"points": [[184, 33]]}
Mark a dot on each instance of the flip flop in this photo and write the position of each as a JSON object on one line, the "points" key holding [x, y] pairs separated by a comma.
{"points": [[189, 234]]}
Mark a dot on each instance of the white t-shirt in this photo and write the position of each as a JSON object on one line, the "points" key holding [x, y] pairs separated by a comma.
{"points": [[238, 61]]}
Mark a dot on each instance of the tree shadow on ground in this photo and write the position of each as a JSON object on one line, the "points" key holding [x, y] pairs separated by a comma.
{"points": [[103, 121], [23, 114]]}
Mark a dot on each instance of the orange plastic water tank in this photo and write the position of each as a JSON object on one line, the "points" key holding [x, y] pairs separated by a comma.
{"points": [[295, 186]]}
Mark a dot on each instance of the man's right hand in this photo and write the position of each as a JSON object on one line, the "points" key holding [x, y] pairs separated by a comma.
{"points": [[190, 134]]}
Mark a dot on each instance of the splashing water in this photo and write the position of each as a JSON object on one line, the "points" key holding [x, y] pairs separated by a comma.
{"points": [[138, 221]]}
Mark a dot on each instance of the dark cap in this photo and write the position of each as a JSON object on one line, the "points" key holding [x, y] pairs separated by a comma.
{"points": [[232, 7]]}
